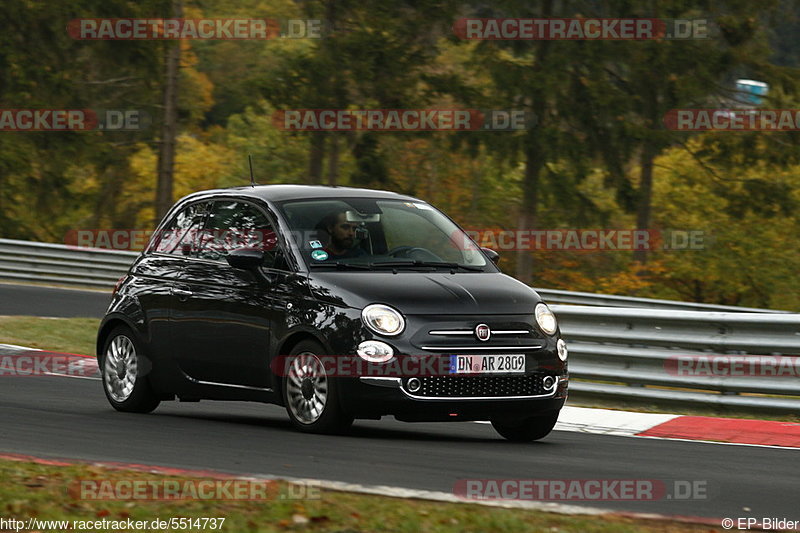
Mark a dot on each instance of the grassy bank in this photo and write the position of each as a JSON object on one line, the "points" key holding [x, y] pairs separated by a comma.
{"points": [[72, 335], [49, 492]]}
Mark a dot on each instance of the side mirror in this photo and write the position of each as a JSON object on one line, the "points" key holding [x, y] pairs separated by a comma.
{"points": [[491, 254], [245, 258]]}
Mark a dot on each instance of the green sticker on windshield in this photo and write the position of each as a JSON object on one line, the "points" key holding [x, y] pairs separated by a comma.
{"points": [[319, 255]]}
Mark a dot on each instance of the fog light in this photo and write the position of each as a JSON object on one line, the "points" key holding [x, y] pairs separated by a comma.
{"points": [[548, 382], [413, 385], [375, 351], [562, 349]]}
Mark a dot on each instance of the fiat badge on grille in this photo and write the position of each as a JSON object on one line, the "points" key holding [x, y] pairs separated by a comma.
{"points": [[483, 332]]}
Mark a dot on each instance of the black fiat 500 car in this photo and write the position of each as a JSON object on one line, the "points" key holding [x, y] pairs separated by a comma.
{"points": [[337, 303]]}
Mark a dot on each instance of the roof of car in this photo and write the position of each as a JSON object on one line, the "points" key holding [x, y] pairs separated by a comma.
{"points": [[279, 193]]}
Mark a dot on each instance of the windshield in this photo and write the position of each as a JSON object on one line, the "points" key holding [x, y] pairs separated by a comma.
{"points": [[366, 233]]}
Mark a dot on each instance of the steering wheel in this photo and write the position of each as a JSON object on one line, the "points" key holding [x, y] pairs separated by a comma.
{"points": [[408, 252]]}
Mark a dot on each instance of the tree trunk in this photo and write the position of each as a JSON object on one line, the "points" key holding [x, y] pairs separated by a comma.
{"points": [[650, 149], [477, 183], [534, 158], [643, 212], [169, 130], [333, 160], [527, 219], [106, 205], [316, 157]]}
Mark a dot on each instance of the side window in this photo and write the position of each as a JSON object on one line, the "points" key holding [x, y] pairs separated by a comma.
{"points": [[232, 225], [180, 236]]}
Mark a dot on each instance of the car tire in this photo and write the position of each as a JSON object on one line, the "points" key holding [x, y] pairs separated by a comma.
{"points": [[527, 429], [123, 370], [311, 397]]}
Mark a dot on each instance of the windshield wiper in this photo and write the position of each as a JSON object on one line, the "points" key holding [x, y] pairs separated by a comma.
{"points": [[342, 266], [433, 264]]}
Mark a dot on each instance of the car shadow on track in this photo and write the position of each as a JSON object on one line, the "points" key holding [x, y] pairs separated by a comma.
{"points": [[416, 432], [386, 429]]}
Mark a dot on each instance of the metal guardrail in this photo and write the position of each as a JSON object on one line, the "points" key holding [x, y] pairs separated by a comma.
{"points": [[554, 296], [61, 264], [646, 355], [620, 347]]}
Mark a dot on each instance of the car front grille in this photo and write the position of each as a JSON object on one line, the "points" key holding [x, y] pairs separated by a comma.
{"points": [[479, 386]]}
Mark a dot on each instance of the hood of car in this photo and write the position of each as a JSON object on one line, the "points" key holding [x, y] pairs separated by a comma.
{"points": [[427, 293]]}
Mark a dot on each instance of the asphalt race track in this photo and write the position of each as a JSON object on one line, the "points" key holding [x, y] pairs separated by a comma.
{"points": [[50, 301], [69, 418]]}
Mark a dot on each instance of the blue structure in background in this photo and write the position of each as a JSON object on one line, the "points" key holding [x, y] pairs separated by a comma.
{"points": [[751, 92]]}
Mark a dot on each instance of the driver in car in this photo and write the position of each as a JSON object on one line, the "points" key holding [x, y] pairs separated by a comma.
{"points": [[342, 236]]}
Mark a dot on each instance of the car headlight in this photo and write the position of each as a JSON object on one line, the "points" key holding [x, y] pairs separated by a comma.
{"points": [[545, 318], [383, 319], [375, 351]]}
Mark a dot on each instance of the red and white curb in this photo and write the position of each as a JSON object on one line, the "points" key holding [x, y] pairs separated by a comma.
{"points": [[69, 365], [735, 431], [738, 431], [609, 422]]}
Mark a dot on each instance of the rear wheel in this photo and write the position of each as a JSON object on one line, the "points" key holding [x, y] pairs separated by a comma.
{"points": [[311, 396], [526, 429], [122, 368]]}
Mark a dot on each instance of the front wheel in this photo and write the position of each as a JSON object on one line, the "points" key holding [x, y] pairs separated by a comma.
{"points": [[526, 429], [311, 396], [122, 367]]}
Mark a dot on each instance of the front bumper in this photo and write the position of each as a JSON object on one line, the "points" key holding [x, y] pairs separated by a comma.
{"points": [[443, 396], [373, 397]]}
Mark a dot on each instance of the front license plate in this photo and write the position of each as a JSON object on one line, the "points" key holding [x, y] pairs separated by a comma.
{"points": [[487, 364]]}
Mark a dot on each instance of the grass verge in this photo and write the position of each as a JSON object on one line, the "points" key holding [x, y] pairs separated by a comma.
{"points": [[49, 492], [71, 335]]}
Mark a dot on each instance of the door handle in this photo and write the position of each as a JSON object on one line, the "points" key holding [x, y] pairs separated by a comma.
{"points": [[182, 294]]}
